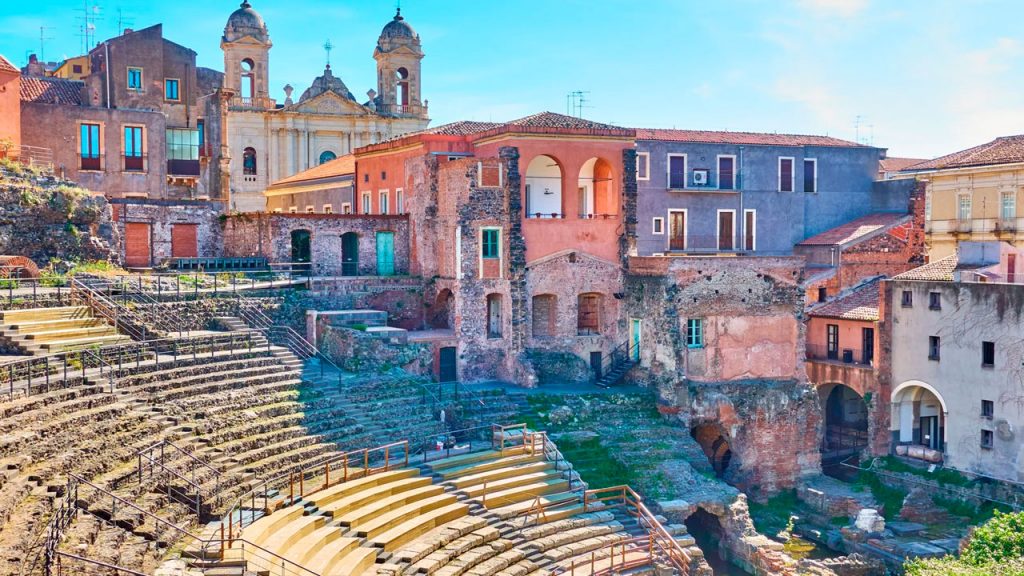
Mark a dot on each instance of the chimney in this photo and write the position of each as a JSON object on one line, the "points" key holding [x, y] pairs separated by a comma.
{"points": [[128, 31]]}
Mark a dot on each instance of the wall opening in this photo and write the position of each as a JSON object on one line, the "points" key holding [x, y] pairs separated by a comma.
{"points": [[301, 250], [716, 447], [544, 188], [402, 87], [596, 190], [248, 83], [350, 254], [846, 423], [442, 313]]}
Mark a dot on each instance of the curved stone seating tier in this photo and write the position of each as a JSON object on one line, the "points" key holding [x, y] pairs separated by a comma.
{"points": [[48, 330]]}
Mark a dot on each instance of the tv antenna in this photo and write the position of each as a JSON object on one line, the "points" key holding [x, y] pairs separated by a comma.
{"points": [[42, 41], [90, 15], [123, 21], [575, 102]]}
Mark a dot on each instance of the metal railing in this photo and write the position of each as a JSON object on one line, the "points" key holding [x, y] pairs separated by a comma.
{"points": [[707, 243], [152, 461], [33, 156], [852, 356], [620, 355], [20, 290]]}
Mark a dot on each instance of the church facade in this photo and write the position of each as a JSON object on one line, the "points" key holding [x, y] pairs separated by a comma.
{"points": [[267, 141]]}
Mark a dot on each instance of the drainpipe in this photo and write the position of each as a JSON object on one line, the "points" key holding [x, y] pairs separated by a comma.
{"points": [[106, 48], [739, 186]]}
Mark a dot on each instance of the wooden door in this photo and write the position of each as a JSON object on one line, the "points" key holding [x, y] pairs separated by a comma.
{"points": [[446, 365], [184, 242], [726, 230], [677, 230], [136, 245]]}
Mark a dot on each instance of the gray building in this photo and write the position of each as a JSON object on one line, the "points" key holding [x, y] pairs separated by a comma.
{"points": [[723, 192]]}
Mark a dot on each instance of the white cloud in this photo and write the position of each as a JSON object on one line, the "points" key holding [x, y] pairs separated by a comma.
{"points": [[831, 8]]}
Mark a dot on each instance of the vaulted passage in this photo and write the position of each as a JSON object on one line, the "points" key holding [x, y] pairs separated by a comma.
{"points": [[715, 445], [846, 422]]}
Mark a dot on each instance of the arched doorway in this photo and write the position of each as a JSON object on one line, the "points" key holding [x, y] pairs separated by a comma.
{"points": [[919, 415], [846, 422], [443, 311], [349, 254], [301, 251], [715, 445], [544, 188]]}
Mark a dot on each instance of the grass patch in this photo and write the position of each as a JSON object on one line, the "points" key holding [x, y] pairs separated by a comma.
{"points": [[943, 476], [890, 499], [772, 516]]}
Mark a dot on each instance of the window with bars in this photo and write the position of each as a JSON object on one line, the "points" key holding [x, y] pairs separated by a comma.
{"points": [[588, 315]]}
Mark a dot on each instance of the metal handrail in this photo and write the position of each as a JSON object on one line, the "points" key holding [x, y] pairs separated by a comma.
{"points": [[119, 569], [614, 357], [147, 454]]}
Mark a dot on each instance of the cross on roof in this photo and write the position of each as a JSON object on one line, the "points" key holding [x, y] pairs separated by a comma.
{"points": [[327, 48]]}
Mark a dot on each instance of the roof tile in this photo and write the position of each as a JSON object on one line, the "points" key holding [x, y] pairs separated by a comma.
{"points": [[750, 138], [51, 91], [341, 166], [1002, 150], [894, 164], [940, 270], [855, 229], [860, 303], [7, 66]]}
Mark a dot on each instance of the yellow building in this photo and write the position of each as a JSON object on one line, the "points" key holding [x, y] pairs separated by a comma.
{"points": [[76, 68], [973, 195]]}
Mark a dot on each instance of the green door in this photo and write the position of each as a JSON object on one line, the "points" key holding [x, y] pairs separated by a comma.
{"points": [[634, 339], [385, 253]]}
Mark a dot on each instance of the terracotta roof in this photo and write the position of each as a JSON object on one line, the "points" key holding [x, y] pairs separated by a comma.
{"points": [[893, 164], [751, 138], [1002, 150], [51, 91], [6, 65], [461, 128], [855, 229], [345, 165], [553, 120], [940, 270], [859, 303]]}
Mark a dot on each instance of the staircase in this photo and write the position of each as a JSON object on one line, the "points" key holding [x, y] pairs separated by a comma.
{"points": [[41, 331], [617, 369]]}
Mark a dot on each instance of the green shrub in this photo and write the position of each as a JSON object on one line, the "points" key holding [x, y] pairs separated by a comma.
{"points": [[998, 540], [950, 566]]}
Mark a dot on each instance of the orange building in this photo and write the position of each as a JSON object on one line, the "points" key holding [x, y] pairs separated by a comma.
{"points": [[10, 105], [524, 227]]}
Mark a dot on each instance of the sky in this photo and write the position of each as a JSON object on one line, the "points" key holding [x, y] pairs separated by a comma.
{"points": [[919, 77]]}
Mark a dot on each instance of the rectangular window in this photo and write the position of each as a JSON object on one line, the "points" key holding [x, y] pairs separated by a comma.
{"points": [[182, 151], [201, 128], [750, 230], [278, 210], [832, 341], [786, 174], [934, 301], [676, 171], [135, 79], [694, 332], [822, 293], [934, 345], [346, 208], [907, 299], [383, 202], [727, 172], [658, 226], [310, 209], [490, 243], [810, 175], [964, 207], [89, 147], [588, 316], [399, 201], [988, 354], [643, 166], [328, 209], [365, 203], [133, 156], [986, 439], [1008, 206], [171, 89], [988, 409], [293, 209]]}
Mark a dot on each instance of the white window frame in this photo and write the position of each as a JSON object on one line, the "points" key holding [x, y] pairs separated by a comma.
{"points": [[310, 209], [382, 199], [643, 159], [815, 160], [718, 171], [1012, 203], [686, 228], [480, 175], [792, 174], [658, 225], [278, 211], [328, 209], [718, 227], [367, 202], [501, 251], [293, 209], [399, 201], [970, 207], [668, 170], [754, 231], [346, 207]]}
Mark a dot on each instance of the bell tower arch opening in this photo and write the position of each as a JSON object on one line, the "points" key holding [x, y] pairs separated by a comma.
{"points": [[398, 55], [246, 45]]}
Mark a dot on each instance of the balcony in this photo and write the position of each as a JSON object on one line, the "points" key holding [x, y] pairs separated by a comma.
{"points": [[252, 103], [183, 167], [850, 356], [415, 110], [846, 366], [134, 163], [705, 244]]}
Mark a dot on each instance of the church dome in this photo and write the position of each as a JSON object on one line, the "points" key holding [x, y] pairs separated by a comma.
{"points": [[398, 28], [245, 22], [327, 83]]}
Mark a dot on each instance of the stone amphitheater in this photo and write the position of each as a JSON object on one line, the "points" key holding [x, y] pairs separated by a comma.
{"points": [[243, 451]]}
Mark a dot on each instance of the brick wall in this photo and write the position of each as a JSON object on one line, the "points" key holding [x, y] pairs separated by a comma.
{"points": [[160, 217]]}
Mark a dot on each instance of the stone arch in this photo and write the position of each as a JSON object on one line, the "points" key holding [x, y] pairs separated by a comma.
{"points": [[442, 312], [249, 161], [402, 87], [596, 190], [543, 188], [845, 425], [919, 415], [715, 444]]}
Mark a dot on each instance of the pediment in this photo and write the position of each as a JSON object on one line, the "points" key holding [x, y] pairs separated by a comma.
{"points": [[330, 103]]}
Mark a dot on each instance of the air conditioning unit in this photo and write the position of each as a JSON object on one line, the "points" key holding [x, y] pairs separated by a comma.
{"points": [[700, 177]]}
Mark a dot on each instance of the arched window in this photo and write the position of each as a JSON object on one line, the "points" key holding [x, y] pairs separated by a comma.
{"points": [[544, 188], [249, 161], [494, 315], [596, 190], [588, 314], [402, 92], [544, 314], [248, 78], [327, 156]]}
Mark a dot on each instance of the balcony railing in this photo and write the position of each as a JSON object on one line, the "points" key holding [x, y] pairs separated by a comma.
{"points": [[253, 102], [991, 225], [90, 162], [134, 163], [853, 356], [403, 109], [34, 156]]}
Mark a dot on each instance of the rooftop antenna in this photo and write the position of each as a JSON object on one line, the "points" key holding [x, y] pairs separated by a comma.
{"points": [[90, 15], [327, 48], [42, 41], [123, 21], [856, 128], [575, 102]]}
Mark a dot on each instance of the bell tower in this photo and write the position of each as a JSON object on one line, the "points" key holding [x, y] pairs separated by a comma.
{"points": [[246, 45], [398, 55]]}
